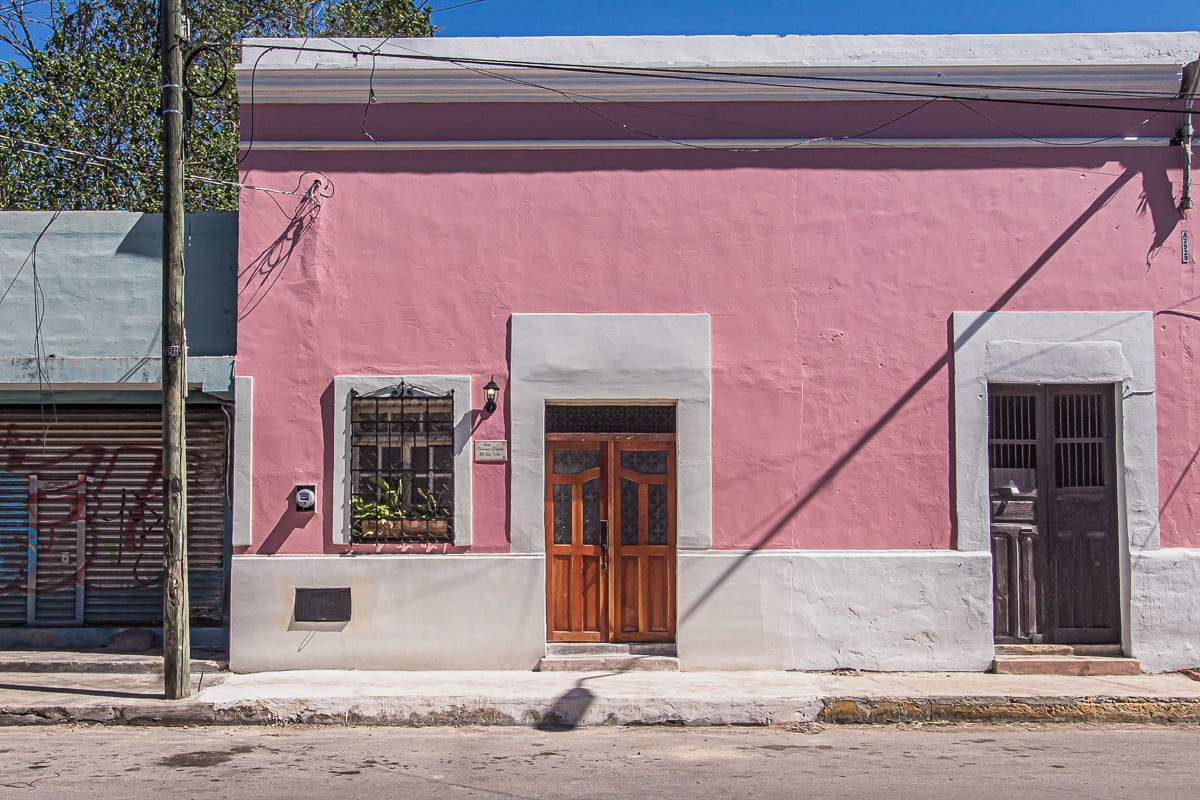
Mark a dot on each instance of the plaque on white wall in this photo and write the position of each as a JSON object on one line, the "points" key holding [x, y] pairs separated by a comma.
{"points": [[491, 451]]}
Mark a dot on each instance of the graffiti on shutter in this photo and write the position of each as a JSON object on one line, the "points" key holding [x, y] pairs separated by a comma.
{"points": [[96, 514]]}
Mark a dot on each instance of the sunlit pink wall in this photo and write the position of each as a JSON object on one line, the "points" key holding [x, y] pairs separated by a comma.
{"points": [[830, 276]]}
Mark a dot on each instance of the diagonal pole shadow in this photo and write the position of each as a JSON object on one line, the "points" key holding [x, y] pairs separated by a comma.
{"points": [[1175, 489], [832, 471], [1191, 461], [51, 689]]}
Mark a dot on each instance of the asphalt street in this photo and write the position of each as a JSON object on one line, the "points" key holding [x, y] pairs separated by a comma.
{"points": [[1016, 761]]}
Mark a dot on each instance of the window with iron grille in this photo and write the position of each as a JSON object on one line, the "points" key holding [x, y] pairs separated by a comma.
{"points": [[402, 465]]}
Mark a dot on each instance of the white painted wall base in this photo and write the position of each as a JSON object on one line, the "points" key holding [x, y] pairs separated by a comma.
{"points": [[1165, 608], [809, 610], [783, 609], [409, 612]]}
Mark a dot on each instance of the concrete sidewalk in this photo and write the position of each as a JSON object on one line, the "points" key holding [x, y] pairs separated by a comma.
{"points": [[564, 700]]}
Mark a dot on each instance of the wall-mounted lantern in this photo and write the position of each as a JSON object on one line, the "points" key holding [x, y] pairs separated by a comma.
{"points": [[490, 390]]}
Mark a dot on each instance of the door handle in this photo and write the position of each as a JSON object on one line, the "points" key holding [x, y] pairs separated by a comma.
{"points": [[603, 544]]}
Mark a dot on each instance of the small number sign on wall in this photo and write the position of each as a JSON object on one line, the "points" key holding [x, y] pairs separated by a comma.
{"points": [[488, 451]]}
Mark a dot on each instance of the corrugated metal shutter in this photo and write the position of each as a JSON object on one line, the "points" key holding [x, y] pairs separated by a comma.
{"points": [[118, 452], [14, 548]]}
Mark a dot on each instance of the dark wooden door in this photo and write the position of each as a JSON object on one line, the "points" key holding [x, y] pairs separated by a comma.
{"points": [[1054, 513], [610, 538]]}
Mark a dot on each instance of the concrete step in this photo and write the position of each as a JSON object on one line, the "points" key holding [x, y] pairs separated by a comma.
{"points": [[1065, 665], [1113, 650], [609, 657], [605, 649], [97, 662], [608, 663]]}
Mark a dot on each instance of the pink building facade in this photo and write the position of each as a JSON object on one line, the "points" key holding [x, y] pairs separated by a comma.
{"points": [[811, 352]]}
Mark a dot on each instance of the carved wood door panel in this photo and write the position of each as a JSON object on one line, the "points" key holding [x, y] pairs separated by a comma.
{"points": [[610, 538], [1054, 513]]}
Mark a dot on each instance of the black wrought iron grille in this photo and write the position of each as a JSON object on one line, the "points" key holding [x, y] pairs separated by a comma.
{"points": [[610, 419], [402, 466], [1012, 431], [1079, 439]]}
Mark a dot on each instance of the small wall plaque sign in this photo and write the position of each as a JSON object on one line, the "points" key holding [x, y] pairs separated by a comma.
{"points": [[489, 451]]}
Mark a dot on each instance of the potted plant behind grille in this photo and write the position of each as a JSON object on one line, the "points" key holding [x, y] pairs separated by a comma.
{"points": [[432, 517], [389, 517], [381, 518]]}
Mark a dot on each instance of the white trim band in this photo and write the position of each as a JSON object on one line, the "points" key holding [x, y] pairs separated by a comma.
{"points": [[702, 144]]}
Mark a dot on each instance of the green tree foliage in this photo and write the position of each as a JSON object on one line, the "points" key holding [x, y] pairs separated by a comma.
{"points": [[79, 101]]}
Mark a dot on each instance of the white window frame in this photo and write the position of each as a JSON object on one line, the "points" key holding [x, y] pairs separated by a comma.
{"points": [[343, 386], [610, 358], [1102, 347]]}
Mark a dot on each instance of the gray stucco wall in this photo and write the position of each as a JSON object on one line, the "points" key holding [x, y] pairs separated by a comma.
{"points": [[877, 610], [1165, 609], [815, 610], [408, 612], [101, 275]]}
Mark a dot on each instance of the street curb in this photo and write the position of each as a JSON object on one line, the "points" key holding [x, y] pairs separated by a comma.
{"points": [[460, 712], [163, 713], [875, 710]]}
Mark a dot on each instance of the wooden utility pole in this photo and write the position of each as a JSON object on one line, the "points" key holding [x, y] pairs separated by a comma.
{"points": [[177, 651]]}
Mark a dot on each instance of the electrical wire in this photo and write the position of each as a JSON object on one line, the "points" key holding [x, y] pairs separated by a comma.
{"points": [[20, 269], [39, 316], [681, 74], [256, 279], [667, 73], [858, 136], [575, 98], [195, 53], [1051, 142], [99, 160], [253, 73], [457, 5], [692, 145], [991, 87], [39, 313], [370, 98]]}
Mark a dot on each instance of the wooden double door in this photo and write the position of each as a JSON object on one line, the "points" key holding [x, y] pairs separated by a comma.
{"points": [[1054, 531], [610, 537]]}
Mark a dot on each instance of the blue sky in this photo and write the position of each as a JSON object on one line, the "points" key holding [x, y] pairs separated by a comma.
{"points": [[617, 17], [596, 17]]}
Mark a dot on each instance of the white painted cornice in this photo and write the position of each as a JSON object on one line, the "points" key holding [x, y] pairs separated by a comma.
{"points": [[775, 67]]}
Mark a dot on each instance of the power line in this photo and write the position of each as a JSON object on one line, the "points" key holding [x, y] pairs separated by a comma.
{"points": [[575, 98], [103, 160], [1049, 142], [799, 143], [751, 79], [39, 311], [456, 5], [667, 73], [934, 84], [39, 314], [32, 251]]}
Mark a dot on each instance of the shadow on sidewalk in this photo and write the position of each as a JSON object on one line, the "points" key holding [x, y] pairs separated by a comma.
{"points": [[566, 712], [21, 687]]}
